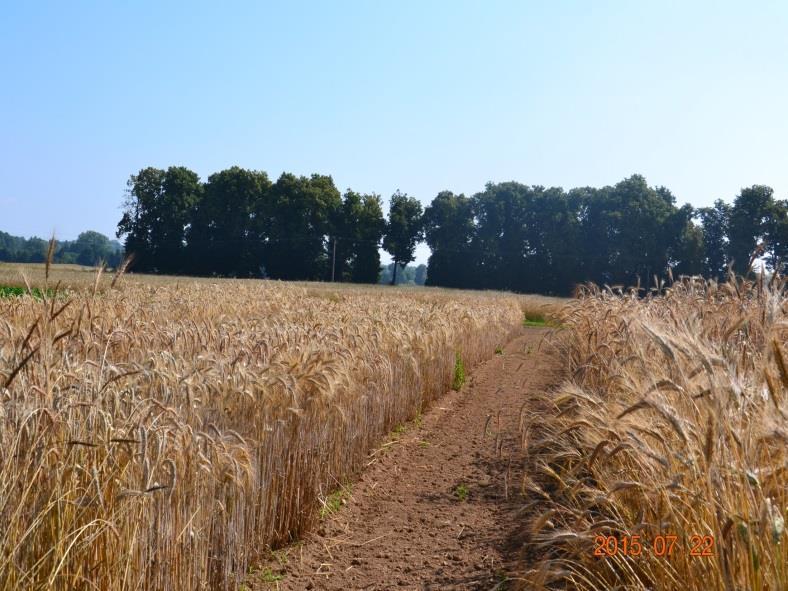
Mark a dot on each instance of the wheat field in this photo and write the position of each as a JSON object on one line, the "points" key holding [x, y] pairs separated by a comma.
{"points": [[161, 434], [674, 422]]}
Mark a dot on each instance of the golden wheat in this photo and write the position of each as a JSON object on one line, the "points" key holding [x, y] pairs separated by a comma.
{"points": [[163, 434], [674, 422]]}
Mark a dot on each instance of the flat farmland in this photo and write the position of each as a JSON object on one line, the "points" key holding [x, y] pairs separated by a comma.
{"points": [[160, 434]]}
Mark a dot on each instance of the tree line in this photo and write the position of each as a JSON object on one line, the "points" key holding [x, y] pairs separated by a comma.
{"points": [[239, 223], [509, 236], [88, 249], [533, 239]]}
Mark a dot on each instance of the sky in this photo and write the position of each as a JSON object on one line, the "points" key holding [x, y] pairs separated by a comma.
{"points": [[419, 96]]}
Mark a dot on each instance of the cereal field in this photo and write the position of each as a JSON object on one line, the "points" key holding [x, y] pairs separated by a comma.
{"points": [[662, 462], [157, 434]]}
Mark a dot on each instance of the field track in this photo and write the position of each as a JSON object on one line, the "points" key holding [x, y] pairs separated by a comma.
{"points": [[404, 524]]}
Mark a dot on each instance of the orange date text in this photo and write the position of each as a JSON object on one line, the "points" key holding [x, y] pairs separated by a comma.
{"points": [[662, 545]]}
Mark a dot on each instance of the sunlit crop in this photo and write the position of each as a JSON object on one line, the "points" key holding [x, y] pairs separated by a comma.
{"points": [[161, 435], [673, 424]]}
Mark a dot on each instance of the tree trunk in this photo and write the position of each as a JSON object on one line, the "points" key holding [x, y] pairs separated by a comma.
{"points": [[394, 274]]}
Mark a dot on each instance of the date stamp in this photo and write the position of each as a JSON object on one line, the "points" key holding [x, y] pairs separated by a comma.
{"points": [[663, 546]]}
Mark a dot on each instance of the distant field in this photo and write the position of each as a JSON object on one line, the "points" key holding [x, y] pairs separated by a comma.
{"points": [[69, 276], [80, 278], [159, 433]]}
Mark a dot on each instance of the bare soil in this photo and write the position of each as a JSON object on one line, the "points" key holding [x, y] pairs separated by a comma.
{"points": [[436, 508]]}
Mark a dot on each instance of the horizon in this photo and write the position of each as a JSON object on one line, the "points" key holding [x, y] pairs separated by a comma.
{"points": [[417, 98]]}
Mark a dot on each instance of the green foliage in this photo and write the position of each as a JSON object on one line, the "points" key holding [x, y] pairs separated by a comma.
{"points": [[499, 351], [748, 224], [333, 503], [359, 230], [449, 230], [227, 223], [88, 249], [461, 492], [532, 319], [158, 209], [14, 291], [715, 221], [267, 575], [539, 320], [403, 230], [510, 236], [459, 373], [545, 240], [304, 212]]}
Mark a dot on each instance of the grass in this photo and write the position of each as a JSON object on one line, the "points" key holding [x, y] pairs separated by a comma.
{"points": [[462, 492], [10, 291], [459, 373], [267, 575], [539, 320], [334, 501]]}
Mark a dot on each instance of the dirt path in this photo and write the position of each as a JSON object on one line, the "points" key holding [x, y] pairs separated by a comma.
{"points": [[437, 505]]}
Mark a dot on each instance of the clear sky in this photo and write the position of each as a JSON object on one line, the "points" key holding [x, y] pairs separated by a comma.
{"points": [[419, 96]]}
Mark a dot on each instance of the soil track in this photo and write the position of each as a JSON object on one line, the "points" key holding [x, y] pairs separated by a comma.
{"points": [[436, 507]]}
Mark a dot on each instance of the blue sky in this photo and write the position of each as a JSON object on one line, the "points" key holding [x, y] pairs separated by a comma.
{"points": [[418, 96]]}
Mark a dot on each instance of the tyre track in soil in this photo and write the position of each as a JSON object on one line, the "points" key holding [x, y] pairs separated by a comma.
{"points": [[403, 525]]}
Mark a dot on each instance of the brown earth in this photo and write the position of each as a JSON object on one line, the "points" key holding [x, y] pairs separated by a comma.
{"points": [[436, 508]]}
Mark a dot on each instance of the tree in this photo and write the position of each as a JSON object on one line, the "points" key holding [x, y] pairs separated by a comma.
{"points": [[182, 191], [140, 212], [499, 242], [359, 230], [228, 223], [449, 230], [525, 238], [777, 236], [92, 247], [371, 227], [748, 224], [403, 231], [303, 218], [157, 211], [714, 221], [687, 255]]}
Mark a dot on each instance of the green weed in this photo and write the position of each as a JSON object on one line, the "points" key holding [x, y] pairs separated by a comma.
{"points": [[7, 291], [459, 373], [537, 319], [461, 492], [269, 576], [334, 502]]}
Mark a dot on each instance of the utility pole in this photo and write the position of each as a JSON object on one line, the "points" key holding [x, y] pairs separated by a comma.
{"points": [[334, 260]]}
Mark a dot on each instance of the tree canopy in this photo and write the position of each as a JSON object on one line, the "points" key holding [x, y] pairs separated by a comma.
{"points": [[510, 236], [89, 249], [403, 230]]}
